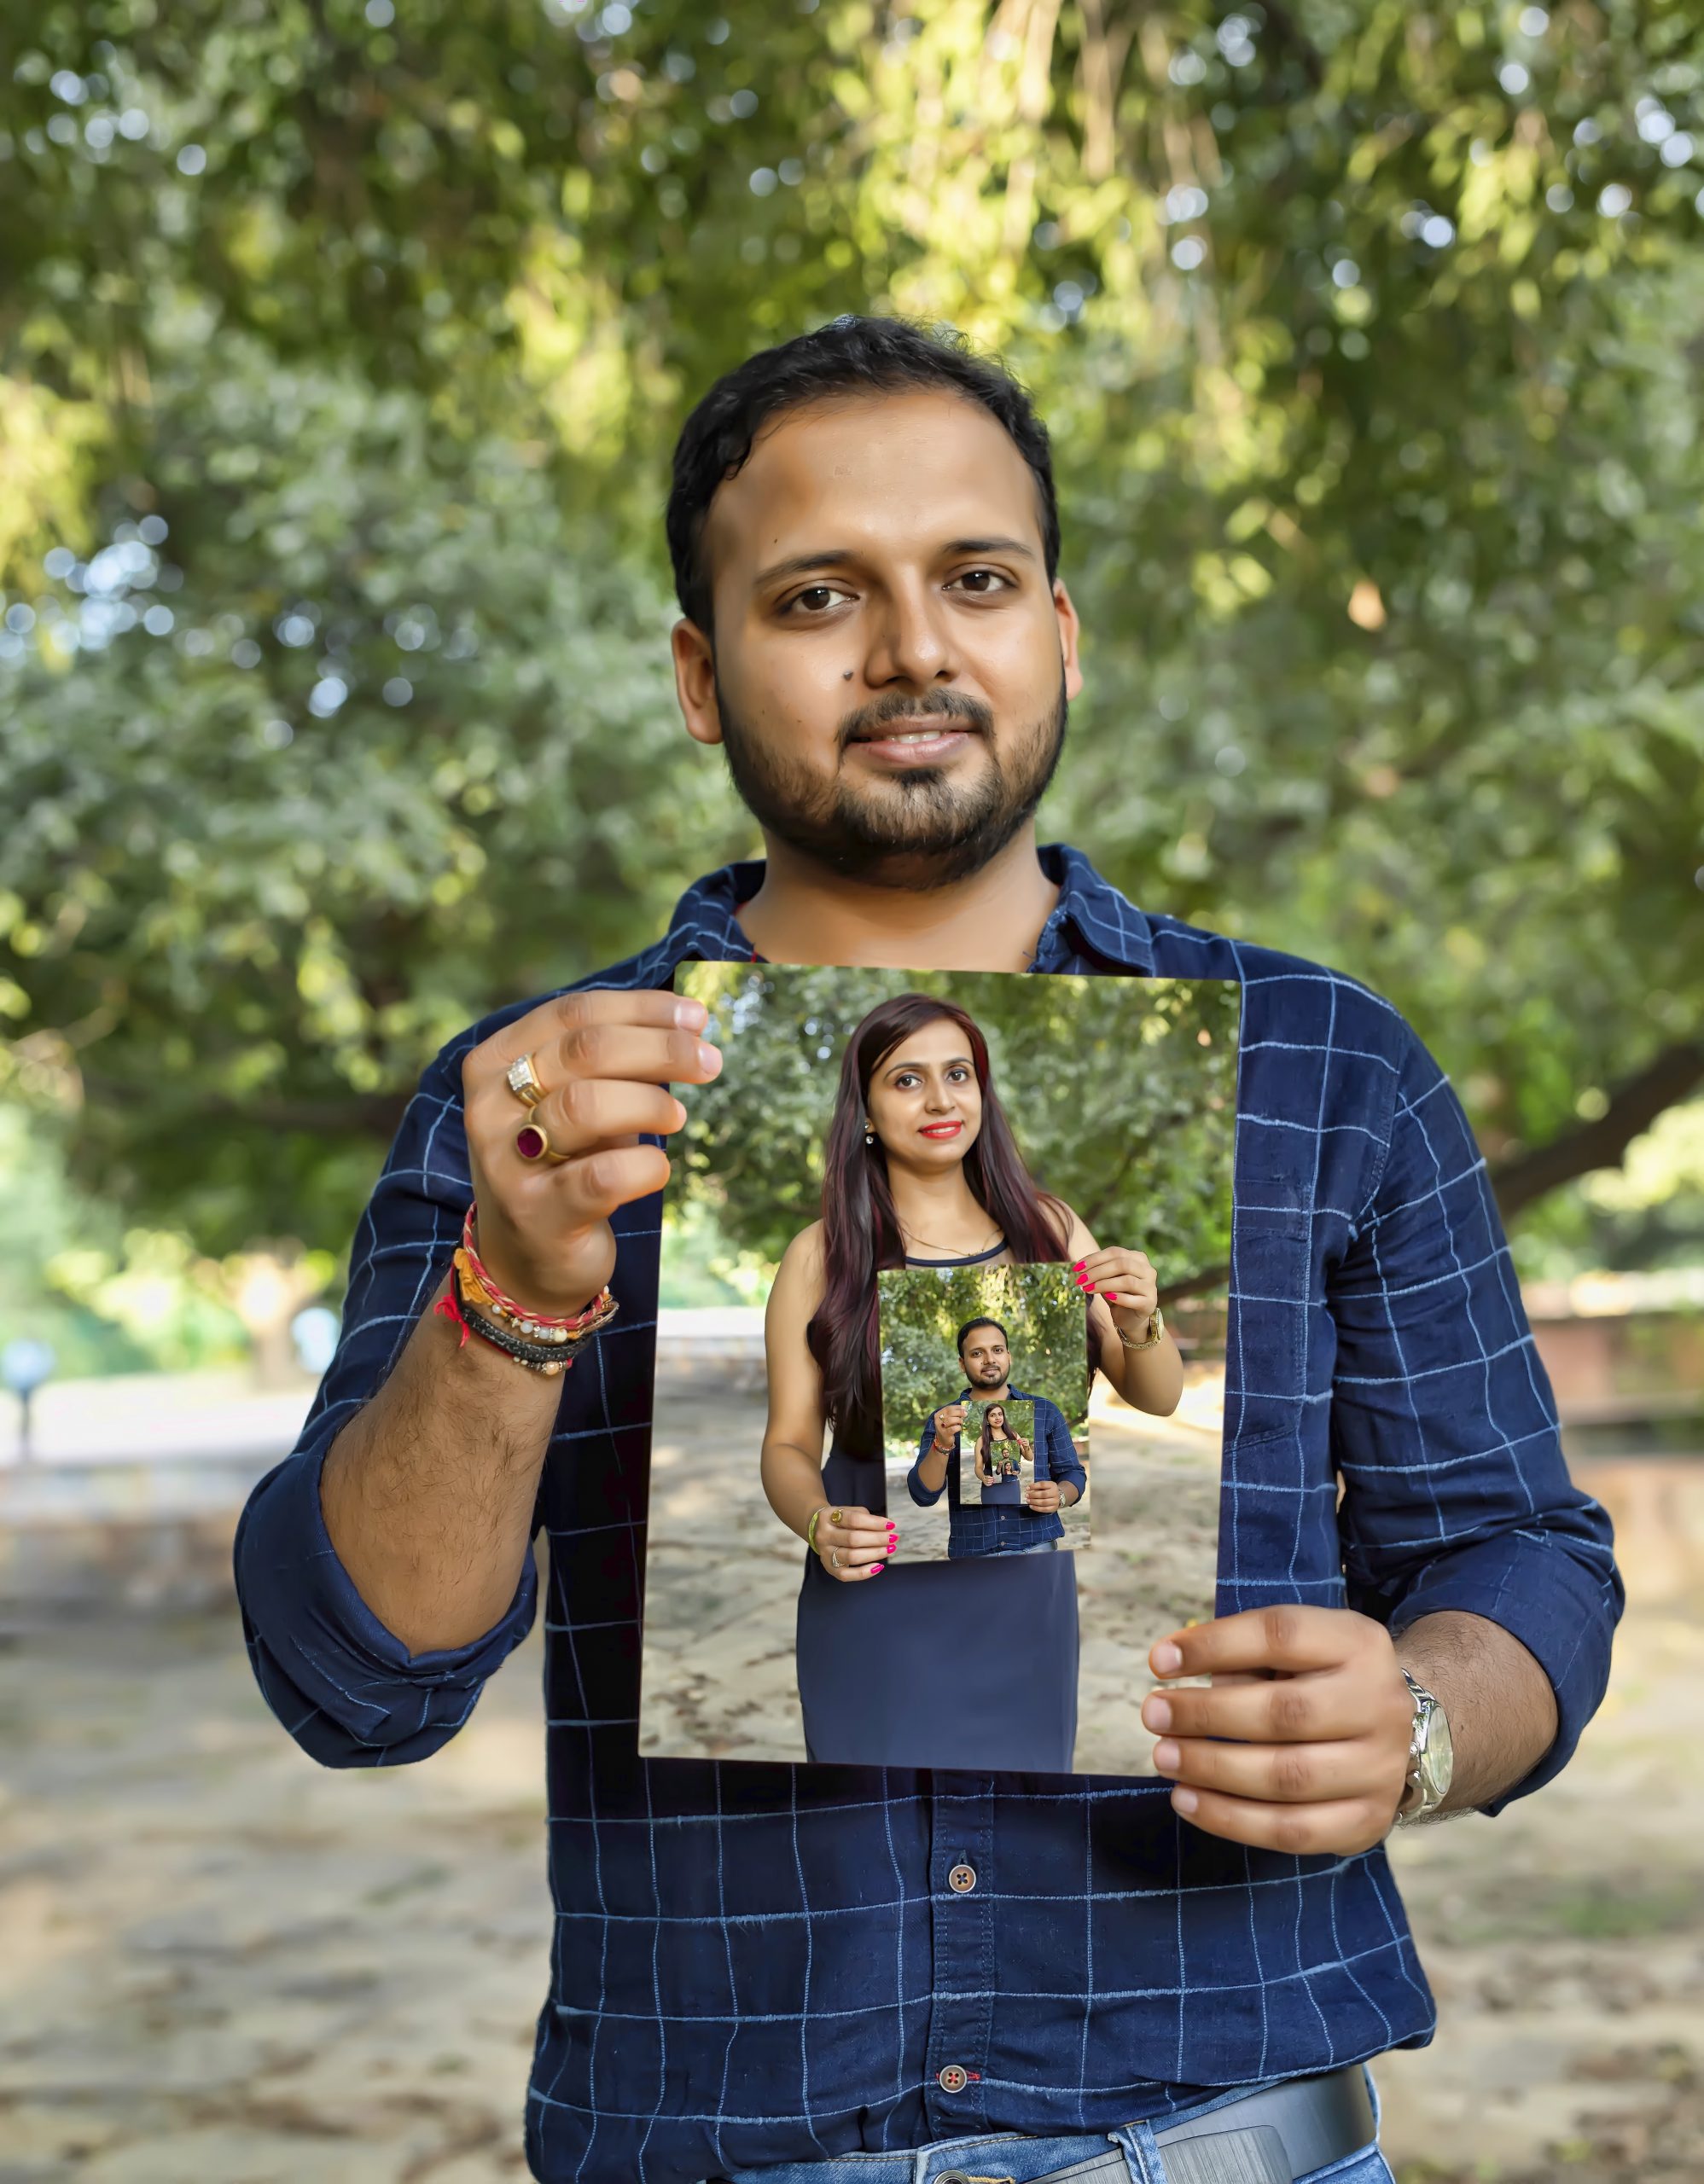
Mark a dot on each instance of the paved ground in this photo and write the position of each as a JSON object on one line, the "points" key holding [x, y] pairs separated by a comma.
{"points": [[718, 1677], [223, 1964]]}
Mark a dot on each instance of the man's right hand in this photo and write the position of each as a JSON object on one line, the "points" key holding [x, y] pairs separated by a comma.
{"points": [[605, 1058], [949, 1423]]}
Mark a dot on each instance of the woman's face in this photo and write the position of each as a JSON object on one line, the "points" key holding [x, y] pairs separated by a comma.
{"points": [[997, 1420], [924, 1097]]}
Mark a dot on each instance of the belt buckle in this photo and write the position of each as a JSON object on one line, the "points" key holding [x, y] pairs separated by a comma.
{"points": [[1255, 2155]]}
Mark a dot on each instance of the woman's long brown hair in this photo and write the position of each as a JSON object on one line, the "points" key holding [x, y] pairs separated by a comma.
{"points": [[861, 1229]]}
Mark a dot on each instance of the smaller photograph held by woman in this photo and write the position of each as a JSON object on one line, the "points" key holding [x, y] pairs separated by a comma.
{"points": [[919, 1250], [1003, 1464]]}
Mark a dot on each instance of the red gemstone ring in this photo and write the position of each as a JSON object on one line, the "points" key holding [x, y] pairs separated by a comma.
{"points": [[532, 1144]]}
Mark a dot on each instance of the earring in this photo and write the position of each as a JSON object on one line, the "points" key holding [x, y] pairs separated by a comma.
{"points": [[869, 1133]]}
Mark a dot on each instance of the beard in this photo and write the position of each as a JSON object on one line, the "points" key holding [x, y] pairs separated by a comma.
{"points": [[920, 830]]}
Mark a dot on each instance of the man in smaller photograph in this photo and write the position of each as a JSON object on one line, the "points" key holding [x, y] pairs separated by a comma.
{"points": [[1003, 1517]]}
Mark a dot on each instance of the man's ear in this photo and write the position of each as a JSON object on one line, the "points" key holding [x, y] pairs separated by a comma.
{"points": [[1070, 632], [695, 682]]}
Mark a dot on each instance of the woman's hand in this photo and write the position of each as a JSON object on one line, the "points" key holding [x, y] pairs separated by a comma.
{"points": [[852, 1544], [1127, 1281]]}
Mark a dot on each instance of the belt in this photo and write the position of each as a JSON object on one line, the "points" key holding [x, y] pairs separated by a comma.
{"points": [[1276, 2136]]}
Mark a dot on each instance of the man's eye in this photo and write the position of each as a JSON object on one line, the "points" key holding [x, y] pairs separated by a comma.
{"points": [[982, 583], [814, 598]]}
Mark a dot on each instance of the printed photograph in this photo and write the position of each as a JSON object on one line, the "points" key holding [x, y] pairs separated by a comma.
{"points": [[982, 1366], [928, 1237]]}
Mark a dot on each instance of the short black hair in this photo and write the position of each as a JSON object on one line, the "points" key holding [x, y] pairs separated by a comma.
{"points": [[970, 1327], [848, 356]]}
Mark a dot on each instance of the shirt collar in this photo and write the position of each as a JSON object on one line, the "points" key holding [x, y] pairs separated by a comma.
{"points": [[1091, 920]]}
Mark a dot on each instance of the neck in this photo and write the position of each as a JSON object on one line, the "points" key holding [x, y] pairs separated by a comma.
{"points": [[939, 1207], [992, 1394], [804, 912]]}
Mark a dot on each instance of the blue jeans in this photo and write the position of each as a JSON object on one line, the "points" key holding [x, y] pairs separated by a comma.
{"points": [[1003, 2154]]}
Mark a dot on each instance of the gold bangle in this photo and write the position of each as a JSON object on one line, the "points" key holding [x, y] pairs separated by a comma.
{"points": [[1156, 1328], [811, 1528]]}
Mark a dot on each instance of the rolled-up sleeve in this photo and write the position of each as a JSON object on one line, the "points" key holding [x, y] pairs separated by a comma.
{"points": [[921, 1494], [1456, 1495], [344, 1685]]}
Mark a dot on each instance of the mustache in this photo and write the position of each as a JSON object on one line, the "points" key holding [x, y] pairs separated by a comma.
{"points": [[933, 705]]}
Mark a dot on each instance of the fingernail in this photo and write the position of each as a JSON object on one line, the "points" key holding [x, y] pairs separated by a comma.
{"points": [[1166, 1659], [707, 1055], [1156, 1713], [1182, 1800], [1078, 1265], [876, 1569], [1166, 1756], [690, 1013]]}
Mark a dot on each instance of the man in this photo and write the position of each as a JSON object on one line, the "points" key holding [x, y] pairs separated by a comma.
{"points": [[992, 1527], [759, 1971]]}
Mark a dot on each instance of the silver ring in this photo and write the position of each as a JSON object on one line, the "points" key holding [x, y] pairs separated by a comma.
{"points": [[833, 1558]]}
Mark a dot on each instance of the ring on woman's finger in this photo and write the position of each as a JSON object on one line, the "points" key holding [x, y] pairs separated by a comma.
{"points": [[532, 1143], [522, 1080], [835, 1562], [837, 1516]]}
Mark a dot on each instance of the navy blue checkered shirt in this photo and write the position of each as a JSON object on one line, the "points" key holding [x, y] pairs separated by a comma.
{"points": [[991, 1527], [765, 1964]]}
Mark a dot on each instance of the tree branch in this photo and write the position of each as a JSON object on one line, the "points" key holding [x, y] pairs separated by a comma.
{"points": [[1634, 1106]]}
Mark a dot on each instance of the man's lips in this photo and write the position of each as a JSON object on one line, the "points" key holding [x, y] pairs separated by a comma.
{"points": [[913, 741], [940, 1130]]}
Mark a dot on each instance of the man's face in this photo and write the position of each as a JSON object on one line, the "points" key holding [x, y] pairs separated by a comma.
{"points": [[892, 667], [984, 1358]]}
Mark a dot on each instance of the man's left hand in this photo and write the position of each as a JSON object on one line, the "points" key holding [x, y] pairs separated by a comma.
{"points": [[1321, 1718], [1042, 1494]]}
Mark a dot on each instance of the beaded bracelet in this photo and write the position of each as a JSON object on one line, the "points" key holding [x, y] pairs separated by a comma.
{"points": [[538, 1327], [537, 1356]]}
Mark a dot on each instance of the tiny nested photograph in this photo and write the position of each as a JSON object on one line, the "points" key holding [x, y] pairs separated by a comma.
{"points": [[985, 1402], [951, 1231]]}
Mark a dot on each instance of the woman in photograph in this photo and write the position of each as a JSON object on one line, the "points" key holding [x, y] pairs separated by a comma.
{"points": [[922, 1169], [1001, 1454]]}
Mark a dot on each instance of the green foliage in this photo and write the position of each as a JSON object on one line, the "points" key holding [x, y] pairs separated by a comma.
{"points": [[107, 1300], [920, 1311], [1367, 332], [1121, 1092]]}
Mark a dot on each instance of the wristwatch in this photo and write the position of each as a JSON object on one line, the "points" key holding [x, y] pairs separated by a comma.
{"points": [[1156, 1327], [1431, 1757]]}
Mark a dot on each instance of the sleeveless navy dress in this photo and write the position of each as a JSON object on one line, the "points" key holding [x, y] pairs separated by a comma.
{"points": [[893, 1671]]}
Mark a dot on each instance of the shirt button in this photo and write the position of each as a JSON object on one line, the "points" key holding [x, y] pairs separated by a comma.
{"points": [[961, 1879], [953, 2079]]}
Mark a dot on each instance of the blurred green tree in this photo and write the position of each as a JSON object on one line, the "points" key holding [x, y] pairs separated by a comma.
{"points": [[351, 339]]}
